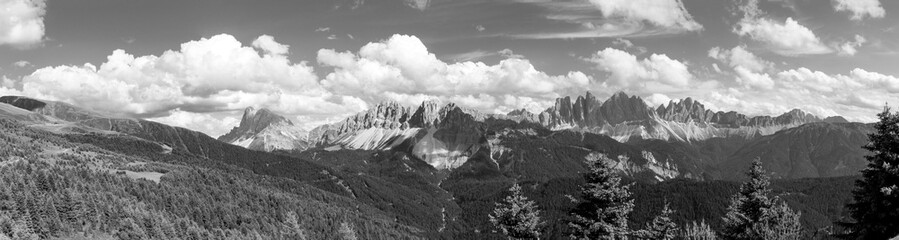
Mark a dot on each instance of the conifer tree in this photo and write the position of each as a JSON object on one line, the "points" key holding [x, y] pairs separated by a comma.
{"points": [[752, 214], [875, 206], [661, 227], [516, 216], [700, 231], [606, 204]]}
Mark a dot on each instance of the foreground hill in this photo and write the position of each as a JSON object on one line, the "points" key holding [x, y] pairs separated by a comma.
{"points": [[419, 206], [63, 185]]}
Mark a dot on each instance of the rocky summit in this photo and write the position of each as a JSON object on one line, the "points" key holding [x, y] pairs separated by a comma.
{"points": [[626, 117]]}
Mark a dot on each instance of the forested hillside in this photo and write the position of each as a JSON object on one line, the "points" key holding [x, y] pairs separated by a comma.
{"points": [[56, 188]]}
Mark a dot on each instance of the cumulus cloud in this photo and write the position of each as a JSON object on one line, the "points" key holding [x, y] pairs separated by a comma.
{"points": [[750, 70], [860, 8], [657, 99], [878, 80], [213, 126], [22, 64], [268, 44], [859, 101], [664, 13], [849, 48], [740, 56], [402, 69], [787, 38], [626, 70], [753, 79], [22, 22], [207, 75]]}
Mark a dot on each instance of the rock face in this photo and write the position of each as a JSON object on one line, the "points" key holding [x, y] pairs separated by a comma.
{"points": [[266, 131], [443, 135], [625, 117]]}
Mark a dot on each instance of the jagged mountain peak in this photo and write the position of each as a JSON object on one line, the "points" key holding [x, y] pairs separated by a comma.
{"points": [[257, 119], [624, 116], [263, 129]]}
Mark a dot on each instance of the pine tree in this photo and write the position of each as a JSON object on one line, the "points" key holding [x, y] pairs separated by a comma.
{"points": [[701, 231], [346, 231], [661, 227], [516, 216], [752, 214], [607, 203], [875, 205]]}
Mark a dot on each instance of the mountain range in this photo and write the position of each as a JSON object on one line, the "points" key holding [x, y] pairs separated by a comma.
{"points": [[445, 135], [437, 167]]}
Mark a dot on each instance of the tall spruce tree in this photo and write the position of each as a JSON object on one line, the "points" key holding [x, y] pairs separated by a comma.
{"points": [[606, 204], [661, 227], [753, 215], [516, 216], [875, 205]]}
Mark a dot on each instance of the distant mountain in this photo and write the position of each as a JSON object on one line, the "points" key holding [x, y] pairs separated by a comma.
{"points": [[264, 130], [808, 151], [626, 117]]}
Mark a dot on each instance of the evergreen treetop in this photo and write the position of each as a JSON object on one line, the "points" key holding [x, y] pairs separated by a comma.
{"points": [[875, 206]]}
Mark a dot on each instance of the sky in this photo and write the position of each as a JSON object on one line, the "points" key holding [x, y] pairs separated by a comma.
{"points": [[198, 64]]}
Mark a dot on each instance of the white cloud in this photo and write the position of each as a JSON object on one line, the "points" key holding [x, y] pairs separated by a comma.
{"points": [[663, 13], [804, 78], [860, 8], [208, 75], [7, 83], [753, 79], [849, 48], [613, 18], [626, 70], [656, 99], [22, 64], [202, 122], [22, 22], [862, 102], [401, 68], [877, 80], [268, 44], [788, 38], [480, 28], [739, 56], [323, 29]]}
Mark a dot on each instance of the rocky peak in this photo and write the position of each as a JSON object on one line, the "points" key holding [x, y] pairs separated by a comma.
{"points": [[253, 122], [622, 108], [386, 115], [684, 111], [426, 114]]}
